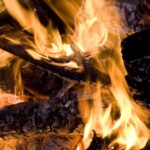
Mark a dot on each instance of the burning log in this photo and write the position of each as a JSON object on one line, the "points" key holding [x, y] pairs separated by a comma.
{"points": [[121, 117], [84, 69], [78, 75], [136, 55], [34, 117]]}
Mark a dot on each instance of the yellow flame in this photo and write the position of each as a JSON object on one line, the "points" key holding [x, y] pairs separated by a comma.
{"points": [[65, 10], [17, 77], [99, 30]]}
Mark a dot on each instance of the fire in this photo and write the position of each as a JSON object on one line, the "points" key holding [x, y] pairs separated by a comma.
{"points": [[47, 40], [6, 58], [98, 31], [10, 99]]}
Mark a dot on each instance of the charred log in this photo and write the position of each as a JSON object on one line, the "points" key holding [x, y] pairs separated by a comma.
{"points": [[35, 117], [136, 56]]}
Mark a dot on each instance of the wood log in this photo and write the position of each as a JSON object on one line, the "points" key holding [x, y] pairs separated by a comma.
{"points": [[86, 69], [136, 56], [34, 117]]}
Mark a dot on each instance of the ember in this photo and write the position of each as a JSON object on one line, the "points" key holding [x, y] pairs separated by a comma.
{"points": [[66, 77]]}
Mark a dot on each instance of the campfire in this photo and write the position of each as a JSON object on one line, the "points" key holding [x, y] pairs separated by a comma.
{"points": [[73, 75]]}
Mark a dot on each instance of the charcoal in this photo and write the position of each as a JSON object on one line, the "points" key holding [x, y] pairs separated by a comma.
{"points": [[142, 85], [136, 56], [136, 46], [33, 117]]}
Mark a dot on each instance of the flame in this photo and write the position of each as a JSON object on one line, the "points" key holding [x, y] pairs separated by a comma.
{"points": [[98, 31], [47, 40], [5, 58], [18, 89], [10, 99]]}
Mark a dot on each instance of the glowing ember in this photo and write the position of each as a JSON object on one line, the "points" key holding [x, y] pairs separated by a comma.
{"points": [[5, 58], [10, 99], [98, 31]]}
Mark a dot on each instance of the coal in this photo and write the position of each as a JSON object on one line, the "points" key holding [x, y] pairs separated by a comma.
{"points": [[136, 56]]}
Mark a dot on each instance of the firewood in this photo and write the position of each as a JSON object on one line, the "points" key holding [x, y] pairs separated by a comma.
{"points": [[136, 56], [34, 117], [78, 75]]}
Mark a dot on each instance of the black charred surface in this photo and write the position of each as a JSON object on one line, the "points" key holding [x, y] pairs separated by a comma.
{"points": [[136, 46], [136, 56], [39, 82], [36, 116], [36, 81]]}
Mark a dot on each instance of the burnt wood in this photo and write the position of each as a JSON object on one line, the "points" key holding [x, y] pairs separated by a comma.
{"points": [[34, 117], [136, 56], [85, 71]]}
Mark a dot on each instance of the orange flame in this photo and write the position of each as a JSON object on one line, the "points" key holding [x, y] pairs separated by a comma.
{"points": [[10, 99], [48, 41], [99, 30]]}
